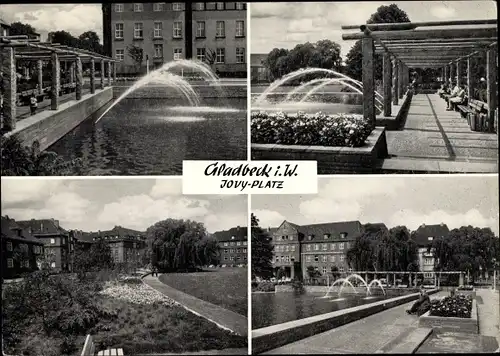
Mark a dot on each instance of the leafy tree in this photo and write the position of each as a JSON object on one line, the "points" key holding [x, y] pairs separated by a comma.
{"points": [[137, 55], [210, 57], [19, 28], [271, 60], [384, 14], [281, 273], [362, 256], [335, 272], [312, 273], [64, 38], [90, 41], [262, 251]]}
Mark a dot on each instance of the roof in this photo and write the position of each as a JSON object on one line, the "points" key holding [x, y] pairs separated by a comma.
{"points": [[8, 232], [3, 23], [239, 233], [317, 231], [120, 231], [257, 59], [423, 232], [42, 226]]}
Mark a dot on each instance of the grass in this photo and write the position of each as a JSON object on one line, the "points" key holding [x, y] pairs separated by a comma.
{"points": [[225, 287]]}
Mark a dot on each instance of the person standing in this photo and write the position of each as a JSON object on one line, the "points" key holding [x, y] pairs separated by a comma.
{"points": [[33, 104]]}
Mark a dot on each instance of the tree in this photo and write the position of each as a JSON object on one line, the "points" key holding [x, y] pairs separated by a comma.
{"points": [[362, 256], [210, 57], [262, 251], [64, 38], [384, 14], [19, 28], [137, 55], [90, 41], [335, 272], [271, 60], [313, 273], [281, 273]]}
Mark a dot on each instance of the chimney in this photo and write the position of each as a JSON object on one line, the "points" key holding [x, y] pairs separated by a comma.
{"points": [[41, 227], [442, 224], [269, 229], [423, 225], [238, 228]]}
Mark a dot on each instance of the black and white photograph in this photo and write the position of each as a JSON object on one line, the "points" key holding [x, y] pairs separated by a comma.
{"points": [[398, 265], [374, 87], [122, 88], [122, 267]]}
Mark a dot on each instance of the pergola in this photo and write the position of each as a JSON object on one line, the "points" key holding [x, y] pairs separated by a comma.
{"points": [[13, 48], [443, 44]]}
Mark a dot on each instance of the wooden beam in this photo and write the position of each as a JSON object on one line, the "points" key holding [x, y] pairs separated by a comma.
{"points": [[406, 25], [470, 79], [413, 35], [101, 83], [56, 82], [438, 41], [92, 75], [109, 73], [39, 68], [491, 82], [79, 78], [400, 80], [368, 80], [436, 50], [447, 73], [387, 84], [395, 84]]}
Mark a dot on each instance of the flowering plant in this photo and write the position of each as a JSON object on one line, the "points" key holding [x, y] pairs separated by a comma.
{"points": [[458, 306], [339, 130], [135, 293]]}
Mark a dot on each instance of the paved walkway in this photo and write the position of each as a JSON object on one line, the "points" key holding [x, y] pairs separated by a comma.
{"points": [[224, 318], [365, 336], [488, 302]]}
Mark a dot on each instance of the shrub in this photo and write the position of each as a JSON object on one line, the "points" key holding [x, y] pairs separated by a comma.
{"points": [[298, 286], [341, 130], [458, 306], [266, 286]]}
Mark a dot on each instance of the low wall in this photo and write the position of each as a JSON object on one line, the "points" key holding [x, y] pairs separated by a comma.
{"points": [[450, 324], [162, 92], [467, 292], [347, 290], [47, 127], [396, 122], [274, 336], [330, 160]]}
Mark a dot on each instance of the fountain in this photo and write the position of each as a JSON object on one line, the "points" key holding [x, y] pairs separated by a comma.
{"points": [[346, 281], [338, 281]]}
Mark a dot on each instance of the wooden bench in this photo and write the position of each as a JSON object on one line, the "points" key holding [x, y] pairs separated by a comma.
{"points": [[89, 349]]}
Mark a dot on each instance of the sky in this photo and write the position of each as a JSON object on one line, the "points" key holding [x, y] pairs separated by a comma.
{"points": [[285, 25], [393, 200], [100, 204]]}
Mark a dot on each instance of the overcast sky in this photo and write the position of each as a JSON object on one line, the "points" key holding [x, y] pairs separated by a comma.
{"points": [[285, 25], [393, 200], [100, 204]]}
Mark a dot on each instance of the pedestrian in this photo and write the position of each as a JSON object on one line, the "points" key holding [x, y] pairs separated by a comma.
{"points": [[33, 104], [422, 304]]}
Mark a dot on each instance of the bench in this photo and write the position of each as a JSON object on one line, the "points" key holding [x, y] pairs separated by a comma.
{"points": [[89, 349], [474, 111]]}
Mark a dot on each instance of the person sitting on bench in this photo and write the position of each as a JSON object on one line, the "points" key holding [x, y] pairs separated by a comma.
{"points": [[453, 93], [457, 99], [422, 304], [442, 90]]}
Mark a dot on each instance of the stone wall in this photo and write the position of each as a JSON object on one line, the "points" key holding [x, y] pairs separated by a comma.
{"points": [[450, 324], [48, 126]]}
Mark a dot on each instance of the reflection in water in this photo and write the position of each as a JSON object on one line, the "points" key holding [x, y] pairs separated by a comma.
{"points": [[146, 137]]}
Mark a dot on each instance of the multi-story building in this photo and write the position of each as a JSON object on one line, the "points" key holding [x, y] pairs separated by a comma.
{"points": [[56, 241], [212, 32], [286, 240], [259, 72], [20, 250], [126, 244], [232, 245], [423, 237]]}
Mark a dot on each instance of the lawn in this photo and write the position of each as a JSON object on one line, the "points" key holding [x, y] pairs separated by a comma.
{"points": [[225, 287]]}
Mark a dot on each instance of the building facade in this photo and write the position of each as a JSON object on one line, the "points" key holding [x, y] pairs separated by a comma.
{"points": [[212, 32], [259, 72], [424, 236], [20, 250], [232, 246]]}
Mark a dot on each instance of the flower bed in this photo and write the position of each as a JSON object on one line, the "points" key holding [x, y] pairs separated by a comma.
{"points": [[340, 130], [132, 292], [452, 314], [459, 306]]}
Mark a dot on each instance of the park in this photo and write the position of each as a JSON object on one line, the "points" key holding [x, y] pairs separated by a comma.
{"points": [[382, 111]]}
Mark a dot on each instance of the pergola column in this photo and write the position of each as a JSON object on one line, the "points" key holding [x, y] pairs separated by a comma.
{"points": [[8, 65], [459, 73], [114, 73], [491, 91], [92, 75], [79, 78], [103, 68], [395, 84], [109, 73], [368, 80], [400, 80], [56, 81], [72, 72], [39, 70], [453, 72], [387, 84], [470, 79], [446, 74]]}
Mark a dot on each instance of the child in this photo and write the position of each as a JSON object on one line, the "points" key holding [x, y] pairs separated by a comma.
{"points": [[33, 104]]}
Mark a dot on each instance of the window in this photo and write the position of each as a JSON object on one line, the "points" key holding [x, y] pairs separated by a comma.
{"points": [[53, 265], [324, 247], [9, 246], [220, 56], [308, 247], [342, 258], [177, 6], [428, 261], [158, 50], [325, 258], [200, 55], [291, 237], [226, 244], [118, 30], [341, 269], [332, 258], [287, 248], [326, 236], [343, 235], [220, 29], [138, 7], [238, 243], [158, 6], [118, 7], [240, 28], [348, 244], [244, 250], [158, 31], [428, 275], [292, 248], [332, 246], [219, 6], [430, 238], [232, 242], [316, 247], [240, 58], [244, 242], [316, 258], [287, 258], [309, 237], [52, 241], [350, 270], [308, 258], [231, 250], [199, 6], [119, 54], [10, 263], [177, 29], [177, 56], [26, 263], [240, 6], [341, 246], [138, 30]]}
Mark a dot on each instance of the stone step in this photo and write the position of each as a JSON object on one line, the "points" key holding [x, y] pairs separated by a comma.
{"points": [[407, 342], [437, 165]]}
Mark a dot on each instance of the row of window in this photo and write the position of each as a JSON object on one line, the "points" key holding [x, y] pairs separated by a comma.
{"points": [[220, 29], [201, 55], [235, 258], [429, 261], [36, 249], [342, 235], [324, 247], [179, 6], [23, 263], [284, 248], [285, 259], [325, 269], [324, 258], [235, 243], [235, 250]]}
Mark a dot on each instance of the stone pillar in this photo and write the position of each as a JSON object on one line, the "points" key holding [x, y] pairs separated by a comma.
{"points": [[387, 278], [395, 84], [387, 85], [459, 73], [395, 278], [446, 74], [292, 270], [461, 279], [109, 73], [470, 79], [366, 277], [56, 81], [39, 69], [453, 72], [400, 80], [79, 78], [491, 91], [8, 66], [114, 73], [103, 68], [368, 80], [72, 72], [92, 75]]}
